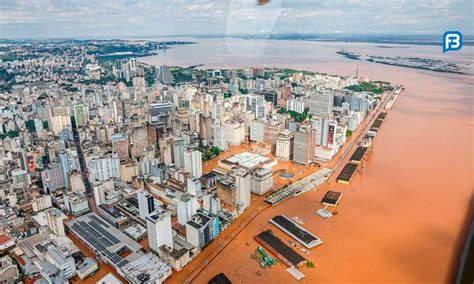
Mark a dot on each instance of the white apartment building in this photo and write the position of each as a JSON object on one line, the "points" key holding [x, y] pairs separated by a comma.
{"points": [[284, 145], [42, 202], [159, 230]]}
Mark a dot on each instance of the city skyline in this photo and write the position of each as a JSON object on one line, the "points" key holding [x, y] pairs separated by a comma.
{"points": [[87, 19]]}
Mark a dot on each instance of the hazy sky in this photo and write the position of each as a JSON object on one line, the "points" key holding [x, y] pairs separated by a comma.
{"points": [[123, 18]]}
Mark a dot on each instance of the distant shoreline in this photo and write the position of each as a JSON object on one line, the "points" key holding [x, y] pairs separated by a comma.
{"points": [[431, 40]]}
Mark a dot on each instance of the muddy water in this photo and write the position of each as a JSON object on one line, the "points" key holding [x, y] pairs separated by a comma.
{"points": [[404, 219]]}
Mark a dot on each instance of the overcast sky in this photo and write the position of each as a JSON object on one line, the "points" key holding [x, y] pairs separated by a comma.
{"points": [[125, 18]]}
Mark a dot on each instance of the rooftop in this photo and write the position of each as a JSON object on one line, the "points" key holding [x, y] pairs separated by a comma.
{"points": [[249, 160]]}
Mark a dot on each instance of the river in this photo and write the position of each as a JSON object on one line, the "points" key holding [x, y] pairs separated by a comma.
{"points": [[405, 218]]}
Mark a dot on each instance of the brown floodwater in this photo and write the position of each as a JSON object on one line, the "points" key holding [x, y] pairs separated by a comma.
{"points": [[405, 218]]}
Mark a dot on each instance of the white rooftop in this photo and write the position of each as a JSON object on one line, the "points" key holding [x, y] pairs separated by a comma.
{"points": [[248, 160]]}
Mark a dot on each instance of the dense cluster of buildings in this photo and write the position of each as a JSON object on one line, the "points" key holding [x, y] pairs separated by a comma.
{"points": [[114, 162]]}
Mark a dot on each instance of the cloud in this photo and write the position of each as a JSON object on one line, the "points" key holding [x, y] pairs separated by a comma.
{"points": [[76, 18]]}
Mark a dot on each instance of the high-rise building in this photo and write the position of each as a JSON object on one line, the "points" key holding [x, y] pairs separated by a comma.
{"points": [[193, 186], [41, 202], [219, 137], [179, 148], [359, 103], [302, 145], [159, 230], [139, 141], [187, 207], [261, 181], [193, 162], [120, 145], [321, 103], [324, 131], [199, 230], [68, 163], [205, 126], [296, 105], [104, 167], [52, 177], [55, 221], [257, 131], [256, 104], [234, 130], [320, 130], [284, 145], [243, 185], [146, 203], [166, 156], [159, 113], [211, 203], [271, 96], [20, 178]]}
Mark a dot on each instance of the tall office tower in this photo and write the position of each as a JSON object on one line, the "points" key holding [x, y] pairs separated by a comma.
{"points": [[205, 126], [271, 97], [219, 137], [320, 130], [284, 145], [193, 162], [120, 145], [257, 129], [146, 203], [359, 103], [188, 205], [159, 230], [99, 194], [216, 110], [55, 221], [179, 148], [242, 183], [302, 145], [256, 104], [324, 131], [331, 134], [321, 103], [67, 163]]}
